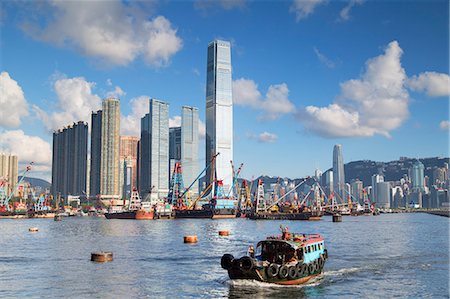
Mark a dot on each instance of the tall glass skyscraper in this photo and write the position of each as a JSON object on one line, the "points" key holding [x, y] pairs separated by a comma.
{"points": [[417, 176], [189, 146], [69, 160], [219, 112], [110, 132], [338, 171], [154, 151]]}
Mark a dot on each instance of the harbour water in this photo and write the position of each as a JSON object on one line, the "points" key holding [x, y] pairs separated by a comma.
{"points": [[391, 255]]}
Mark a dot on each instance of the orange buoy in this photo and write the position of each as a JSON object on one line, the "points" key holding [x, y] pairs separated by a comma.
{"points": [[101, 257], [190, 239], [224, 232], [33, 229]]}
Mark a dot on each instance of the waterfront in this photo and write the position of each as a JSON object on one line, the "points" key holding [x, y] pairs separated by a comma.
{"points": [[391, 255]]}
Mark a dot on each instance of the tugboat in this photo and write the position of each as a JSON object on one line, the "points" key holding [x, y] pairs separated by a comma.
{"points": [[286, 259], [136, 209]]}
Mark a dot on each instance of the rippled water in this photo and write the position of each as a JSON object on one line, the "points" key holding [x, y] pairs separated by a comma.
{"points": [[397, 255]]}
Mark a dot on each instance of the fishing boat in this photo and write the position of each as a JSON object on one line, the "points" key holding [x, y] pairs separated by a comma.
{"points": [[286, 259], [135, 210]]}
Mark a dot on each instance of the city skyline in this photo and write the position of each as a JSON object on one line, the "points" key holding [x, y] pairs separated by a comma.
{"points": [[290, 85]]}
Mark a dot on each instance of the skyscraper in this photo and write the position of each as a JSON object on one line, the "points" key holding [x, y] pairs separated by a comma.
{"points": [[357, 190], [189, 146], [96, 153], [417, 177], [105, 174], [338, 171], [219, 112], [376, 178], [69, 160], [154, 151], [128, 164], [383, 199], [8, 171]]}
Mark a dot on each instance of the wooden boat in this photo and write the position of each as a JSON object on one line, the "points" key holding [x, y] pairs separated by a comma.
{"points": [[288, 259]]}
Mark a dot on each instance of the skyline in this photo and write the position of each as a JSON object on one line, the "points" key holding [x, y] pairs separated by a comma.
{"points": [[316, 67]]}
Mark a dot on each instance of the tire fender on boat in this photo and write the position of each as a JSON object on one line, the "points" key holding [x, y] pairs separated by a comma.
{"points": [[246, 263], [303, 270], [284, 271], [292, 272], [311, 268], [227, 261], [325, 252], [272, 270]]}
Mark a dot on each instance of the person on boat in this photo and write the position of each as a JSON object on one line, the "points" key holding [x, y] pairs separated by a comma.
{"points": [[251, 251]]}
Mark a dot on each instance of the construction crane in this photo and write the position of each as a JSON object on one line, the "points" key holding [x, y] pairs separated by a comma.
{"points": [[177, 188], [5, 204], [235, 177]]}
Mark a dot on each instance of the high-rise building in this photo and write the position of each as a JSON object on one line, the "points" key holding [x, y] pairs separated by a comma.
{"points": [[328, 182], [69, 161], [376, 178], [105, 174], [219, 112], [338, 171], [383, 199], [175, 143], [96, 153], [8, 172], [189, 146], [357, 190], [417, 177], [154, 151], [128, 164], [109, 171]]}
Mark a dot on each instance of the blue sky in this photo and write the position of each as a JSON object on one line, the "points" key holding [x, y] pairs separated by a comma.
{"points": [[370, 75]]}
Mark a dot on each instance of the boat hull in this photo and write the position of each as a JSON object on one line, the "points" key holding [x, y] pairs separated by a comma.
{"points": [[280, 216], [121, 215], [206, 213], [144, 215], [260, 274]]}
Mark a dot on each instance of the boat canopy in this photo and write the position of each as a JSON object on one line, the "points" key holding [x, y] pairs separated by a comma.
{"points": [[277, 251]]}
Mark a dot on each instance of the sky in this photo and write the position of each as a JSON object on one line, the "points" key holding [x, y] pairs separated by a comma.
{"points": [[370, 75]]}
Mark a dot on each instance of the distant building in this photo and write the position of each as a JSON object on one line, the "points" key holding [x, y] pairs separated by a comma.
{"points": [[69, 161], [417, 177], [8, 172], [397, 197], [154, 151], [328, 182], [383, 199], [96, 153], [438, 196], [105, 174], [175, 143], [318, 174], [128, 164], [338, 171], [376, 178], [219, 112], [357, 190], [189, 146]]}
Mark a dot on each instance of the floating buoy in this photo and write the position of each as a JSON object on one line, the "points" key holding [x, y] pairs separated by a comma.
{"points": [[224, 232], [337, 218], [33, 229], [101, 256], [190, 239]]}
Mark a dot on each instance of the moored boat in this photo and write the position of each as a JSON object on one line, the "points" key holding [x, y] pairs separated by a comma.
{"points": [[288, 259]]}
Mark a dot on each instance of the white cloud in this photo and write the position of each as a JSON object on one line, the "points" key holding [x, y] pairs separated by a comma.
{"points": [[444, 125], [267, 137], [131, 124], [432, 83], [13, 104], [201, 129], [113, 31], [303, 8], [323, 59], [116, 93], [175, 121], [75, 103], [345, 12], [28, 149], [377, 103], [275, 103], [109, 82]]}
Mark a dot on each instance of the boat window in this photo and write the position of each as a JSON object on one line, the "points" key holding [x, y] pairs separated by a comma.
{"points": [[276, 252]]}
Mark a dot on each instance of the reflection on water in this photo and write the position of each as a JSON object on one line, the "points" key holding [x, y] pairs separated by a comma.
{"points": [[404, 255]]}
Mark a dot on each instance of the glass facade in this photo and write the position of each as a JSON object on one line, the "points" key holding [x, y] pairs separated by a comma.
{"points": [[338, 171], [189, 146], [219, 112], [154, 151], [109, 167]]}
